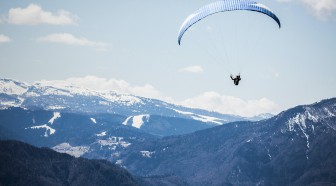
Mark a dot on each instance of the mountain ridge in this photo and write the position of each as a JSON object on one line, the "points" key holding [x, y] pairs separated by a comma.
{"points": [[62, 96], [295, 147]]}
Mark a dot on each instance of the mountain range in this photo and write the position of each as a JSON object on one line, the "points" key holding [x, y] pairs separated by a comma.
{"points": [[167, 144], [139, 112]]}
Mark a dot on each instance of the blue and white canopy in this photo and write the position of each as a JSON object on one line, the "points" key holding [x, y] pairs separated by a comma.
{"points": [[223, 6]]}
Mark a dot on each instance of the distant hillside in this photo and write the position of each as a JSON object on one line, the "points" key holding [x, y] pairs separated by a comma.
{"points": [[91, 136]]}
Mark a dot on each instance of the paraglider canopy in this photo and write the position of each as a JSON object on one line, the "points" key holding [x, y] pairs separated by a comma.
{"points": [[223, 6]]}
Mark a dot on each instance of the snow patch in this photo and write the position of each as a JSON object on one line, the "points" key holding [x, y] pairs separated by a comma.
{"points": [[113, 142], [137, 121], [269, 155], [199, 117], [55, 107], [101, 134], [104, 103], [207, 119], [183, 112], [119, 162], [299, 119], [329, 113], [31, 94], [49, 90], [126, 120], [123, 99], [75, 151], [7, 104], [147, 154], [56, 115], [48, 130], [93, 120]]}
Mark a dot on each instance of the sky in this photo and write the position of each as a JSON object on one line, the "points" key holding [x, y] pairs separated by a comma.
{"points": [[131, 47]]}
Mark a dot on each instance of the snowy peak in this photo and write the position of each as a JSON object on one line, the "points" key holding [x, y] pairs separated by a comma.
{"points": [[315, 113], [62, 88], [63, 96], [68, 89], [12, 87], [260, 117], [307, 121]]}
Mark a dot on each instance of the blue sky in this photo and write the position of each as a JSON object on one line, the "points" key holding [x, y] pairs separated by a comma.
{"points": [[131, 46]]}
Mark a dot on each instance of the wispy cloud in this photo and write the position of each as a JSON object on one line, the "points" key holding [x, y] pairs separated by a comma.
{"points": [[4, 39], [192, 69], [209, 100], [231, 105], [323, 9], [212, 101], [69, 39], [34, 15]]}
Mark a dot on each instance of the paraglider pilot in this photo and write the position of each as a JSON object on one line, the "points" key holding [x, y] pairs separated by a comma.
{"points": [[236, 79]]}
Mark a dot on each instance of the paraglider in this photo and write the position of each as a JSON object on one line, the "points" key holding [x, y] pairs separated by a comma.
{"points": [[236, 79], [224, 6]]}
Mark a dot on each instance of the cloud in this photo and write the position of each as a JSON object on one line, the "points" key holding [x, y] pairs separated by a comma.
{"points": [[69, 39], [34, 15], [192, 69], [322, 8], [231, 105], [212, 101], [4, 39]]}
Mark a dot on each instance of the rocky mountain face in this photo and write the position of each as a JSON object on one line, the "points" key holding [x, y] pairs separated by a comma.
{"points": [[296, 147]]}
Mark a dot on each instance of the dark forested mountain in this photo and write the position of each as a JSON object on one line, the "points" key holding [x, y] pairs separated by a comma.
{"points": [[296, 147], [23, 164]]}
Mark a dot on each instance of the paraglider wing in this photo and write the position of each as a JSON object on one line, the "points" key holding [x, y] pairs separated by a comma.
{"points": [[223, 6]]}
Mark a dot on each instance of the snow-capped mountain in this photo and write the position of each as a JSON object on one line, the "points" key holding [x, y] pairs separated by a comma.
{"points": [[296, 147], [260, 117], [64, 97], [12, 87]]}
